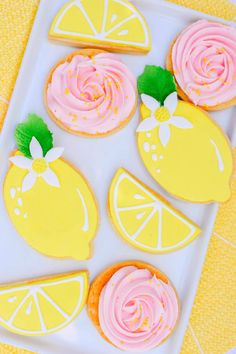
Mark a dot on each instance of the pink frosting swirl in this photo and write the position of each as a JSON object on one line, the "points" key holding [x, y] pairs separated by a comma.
{"points": [[137, 311], [204, 63], [92, 95]]}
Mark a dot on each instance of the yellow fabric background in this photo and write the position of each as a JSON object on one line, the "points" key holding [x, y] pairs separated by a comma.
{"points": [[212, 327]]}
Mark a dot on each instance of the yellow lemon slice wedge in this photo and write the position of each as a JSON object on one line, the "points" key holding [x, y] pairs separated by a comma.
{"points": [[110, 24], [44, 306], [144, 219]]}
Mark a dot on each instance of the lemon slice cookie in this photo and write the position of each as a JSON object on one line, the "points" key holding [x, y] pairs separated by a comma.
{"points": [[48, 201], [111, 24], [184, 150], [145, 219], [44, 306]]}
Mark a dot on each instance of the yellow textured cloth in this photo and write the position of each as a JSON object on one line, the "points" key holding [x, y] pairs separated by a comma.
{"points": [[212, 327]]}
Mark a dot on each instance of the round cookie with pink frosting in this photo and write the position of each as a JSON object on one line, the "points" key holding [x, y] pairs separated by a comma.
{"points": [[134, 306], [203, 61], [91, 93]]}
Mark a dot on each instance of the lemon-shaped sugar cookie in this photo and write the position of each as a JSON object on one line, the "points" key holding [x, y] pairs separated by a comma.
{"points": [[43, 306], [182, 148], [144, 219], [109, 24], [48, 201]]}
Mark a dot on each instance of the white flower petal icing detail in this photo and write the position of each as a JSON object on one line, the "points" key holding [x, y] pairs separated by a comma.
{"points": [[21, 161], [180, 122], [164, 134], [54, 154], [150, 102], [51, 178], [35, 149], [147, 124], [29, 181], [171, 102]]}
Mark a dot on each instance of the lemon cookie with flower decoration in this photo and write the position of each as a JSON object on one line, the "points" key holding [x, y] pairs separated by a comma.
{"points": [[184, 150], [49, 202], [115, 25]]}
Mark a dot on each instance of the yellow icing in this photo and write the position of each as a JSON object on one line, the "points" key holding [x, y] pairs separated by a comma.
{"points": [[44, 306], [162, 114], [74, 21], [196, 164], [145, 219], [59, 222], [117, 12], [39, 165], [96, 17], [115, 23]]}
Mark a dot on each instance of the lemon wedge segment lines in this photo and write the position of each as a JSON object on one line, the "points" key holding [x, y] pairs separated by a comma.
{"points": [[115, 22], [145, 219], [43, 306]]}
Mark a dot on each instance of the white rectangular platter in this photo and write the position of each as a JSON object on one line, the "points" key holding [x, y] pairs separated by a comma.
{"points": [[98, 159]]}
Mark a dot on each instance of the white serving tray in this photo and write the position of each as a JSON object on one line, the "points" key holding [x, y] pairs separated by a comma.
{"points": [[98, 160]]}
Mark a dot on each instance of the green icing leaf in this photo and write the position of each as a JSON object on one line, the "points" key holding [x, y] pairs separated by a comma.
{"points": [[156, 82], [33, 126]]}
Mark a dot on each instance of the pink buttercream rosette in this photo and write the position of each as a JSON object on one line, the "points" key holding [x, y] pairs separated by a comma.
{"points": [[137, 311], [204, 63], [91, 95]]}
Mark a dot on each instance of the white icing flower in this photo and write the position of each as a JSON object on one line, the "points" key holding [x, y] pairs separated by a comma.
{"points": [[162, 117], [38, 166]]}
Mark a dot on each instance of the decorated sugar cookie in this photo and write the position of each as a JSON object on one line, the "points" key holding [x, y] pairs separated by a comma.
{"points": [[43, 306], [182, 148], [203, 60], [48, 201], [134, 306], [91, 93], [111, 24], [144, 219]]}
